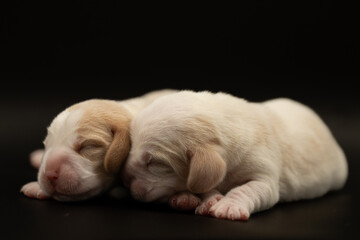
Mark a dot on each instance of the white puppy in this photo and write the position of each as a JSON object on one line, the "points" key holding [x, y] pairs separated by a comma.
{"points": [[84, 148], [239, 157]]}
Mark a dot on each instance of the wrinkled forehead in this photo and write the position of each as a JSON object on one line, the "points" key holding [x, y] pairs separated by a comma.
{"points": [[63, 127]]}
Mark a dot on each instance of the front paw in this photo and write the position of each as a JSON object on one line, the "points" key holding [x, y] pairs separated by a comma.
{"points": [[204, 207], [33, 190], [184, 201], [229, 209]]}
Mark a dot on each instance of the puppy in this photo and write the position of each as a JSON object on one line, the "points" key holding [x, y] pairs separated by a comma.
{"points": [[229, 158], [84, 148]]}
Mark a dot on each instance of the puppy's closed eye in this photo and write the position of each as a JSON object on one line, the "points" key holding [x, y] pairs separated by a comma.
{"points": [[158, 167], [90, 143], [90, 148]]}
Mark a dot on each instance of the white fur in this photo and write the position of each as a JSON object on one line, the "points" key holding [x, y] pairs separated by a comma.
{"points": [[237, 157], [72, 165]]}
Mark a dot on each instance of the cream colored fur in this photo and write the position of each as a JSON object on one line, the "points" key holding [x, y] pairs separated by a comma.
{"points": [[85, 147], [228, 157]]}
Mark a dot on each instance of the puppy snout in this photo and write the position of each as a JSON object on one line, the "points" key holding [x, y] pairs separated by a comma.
{"points": [[138, 190], [55, 159], [127, 179], [59, 174], [52, 175]]}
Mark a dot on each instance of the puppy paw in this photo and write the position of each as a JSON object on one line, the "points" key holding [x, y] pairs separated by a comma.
{"points": [[33, 190], [207, 203], [229, 209], [36, 157], [184, 201]]}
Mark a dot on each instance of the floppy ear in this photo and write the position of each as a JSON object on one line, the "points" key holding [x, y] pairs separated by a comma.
{"points": [[118, 150], [207, 169]]}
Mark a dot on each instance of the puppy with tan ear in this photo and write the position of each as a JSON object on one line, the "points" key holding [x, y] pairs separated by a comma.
{"points": [[85, 147], [229, 158]]}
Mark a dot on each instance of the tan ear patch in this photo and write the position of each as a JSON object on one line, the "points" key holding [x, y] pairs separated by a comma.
{"points": [[109, 121], [118, 151], [206, 170]]}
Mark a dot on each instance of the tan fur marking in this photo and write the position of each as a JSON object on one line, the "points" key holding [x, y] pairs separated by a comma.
{"points": [[107, 122]]}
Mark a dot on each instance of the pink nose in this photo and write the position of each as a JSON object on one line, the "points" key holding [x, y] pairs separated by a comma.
{"points": [[54, 164], [52, 175]]}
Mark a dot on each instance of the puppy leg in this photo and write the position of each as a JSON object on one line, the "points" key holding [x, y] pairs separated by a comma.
{"points": [[33, 190], [241, 201], [184, 201], [209, 200], [36, 157]]}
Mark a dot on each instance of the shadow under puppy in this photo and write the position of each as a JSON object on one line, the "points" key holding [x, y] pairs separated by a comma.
{"points": [[85, 147], [228, 158]]}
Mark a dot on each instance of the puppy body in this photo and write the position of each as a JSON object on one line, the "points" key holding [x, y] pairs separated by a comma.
{"points": [[84, 148], [240, 157]]}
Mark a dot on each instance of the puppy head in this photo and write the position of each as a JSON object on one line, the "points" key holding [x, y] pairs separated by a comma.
{"points": [[84, 149], [172, 155]]}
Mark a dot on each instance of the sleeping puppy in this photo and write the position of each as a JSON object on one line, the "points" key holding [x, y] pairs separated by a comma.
{"points": [[84, 148], [229, 158]]}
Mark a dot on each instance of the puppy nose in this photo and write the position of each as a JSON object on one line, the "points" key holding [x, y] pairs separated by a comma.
{"points": [[54, 164], [52, 175]]}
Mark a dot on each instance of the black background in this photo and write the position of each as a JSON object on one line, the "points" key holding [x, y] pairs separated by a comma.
{"points": [[54, 54]]}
